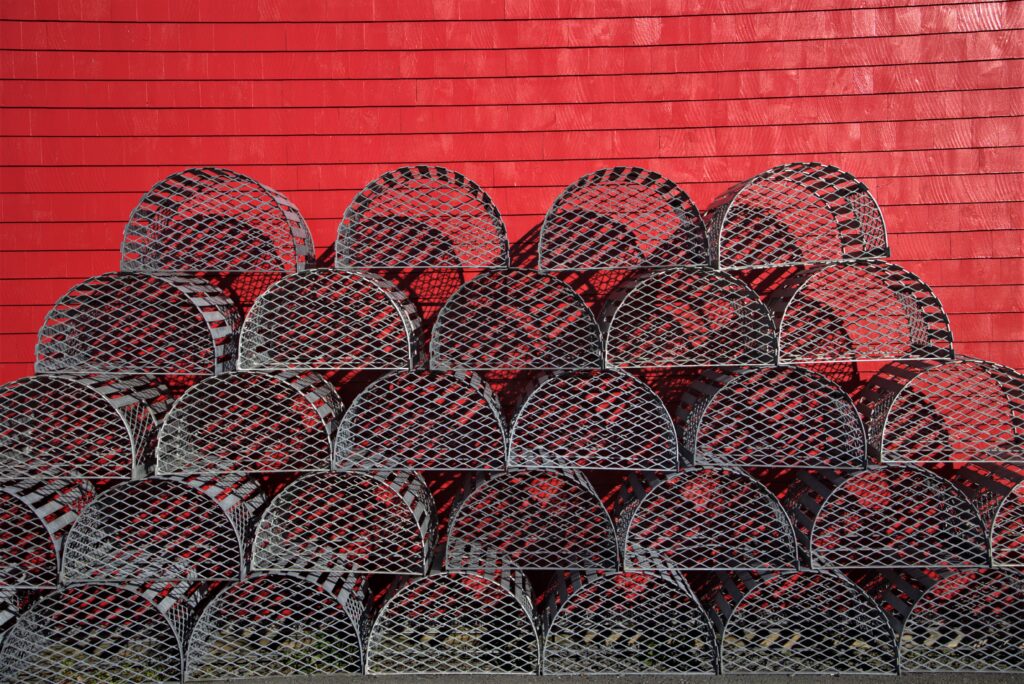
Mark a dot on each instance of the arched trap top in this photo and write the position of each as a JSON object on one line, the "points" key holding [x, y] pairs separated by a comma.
{"points": [[515, 320], [778, 417], [331, 320], [683, 318], [250, 422], [997, 490], [598, 419], [131, 323], [795, 214], [423, 420], [210, 219], [422, 217], [622, 217], [859, 312]]}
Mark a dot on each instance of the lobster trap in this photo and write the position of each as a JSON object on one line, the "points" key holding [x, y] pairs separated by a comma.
{"points": [[423, 420], [35, 516], [678, 318], [211, 219], [873, 311], [422, 217], [601, 623], [779, 417], [997, 491], [330, 320], [622, 217], [167, 529], [515, 320], [249, 422], [280, 626], [79, 426], [530, 520], [132, 323], [456, 623], [382, 522]]}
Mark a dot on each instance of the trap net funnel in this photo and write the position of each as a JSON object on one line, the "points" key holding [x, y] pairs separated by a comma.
{"points": [[378, 522], [250, 422], [165, 529], [331, 320], [423, 420], [211, 219], [997, 491], [132, 323], [604, 623], [91, 426], [679, 318], [280, 626], [456, 623], [421, 217], [622, 217], [778, 417]]}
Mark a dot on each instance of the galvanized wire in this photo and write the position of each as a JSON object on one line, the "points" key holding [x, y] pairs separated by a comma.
{"points": [[997, 491]]}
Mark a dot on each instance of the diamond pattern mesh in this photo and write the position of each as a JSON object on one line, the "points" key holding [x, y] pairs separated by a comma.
{"points": [[625, 623], [250, 422], [129, 323], [324, 320], [795, 214], [600, 419], [1007, 537], [622, 217], [423, 420], [210, 219], [348, 522], [515, 320], [687, 318], [422, 216]]}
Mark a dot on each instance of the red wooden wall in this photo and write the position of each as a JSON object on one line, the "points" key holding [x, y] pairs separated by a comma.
{"points": [[919, 98]]}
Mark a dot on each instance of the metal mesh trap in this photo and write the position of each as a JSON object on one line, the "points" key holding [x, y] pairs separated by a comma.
{"points": [[250, 422], [165, 529], [515, 320], [348, 522], [622, 217], [795, 214], [131, 323], [602, 623], [13, 602], [687, 318], [1007, 530], [456, 623], [997, 491], [34, 518], [210, 219], [280, 626], [325, 320], [422, 217], [858, 312], [79, 426], [778, 417], [423, 420]]}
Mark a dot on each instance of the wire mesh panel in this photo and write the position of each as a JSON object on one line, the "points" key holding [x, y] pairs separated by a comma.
{"points": [[859, 312], [515, 320], [14, 602], [1007, 531], [423, 420], [795, 214], [34, 518], [210, 219], [997, 491], [348, 522], [81, 427], [280, 626], [456, 623], [421, 217], [324, 320], [963, 410], [625, 623], [131, 323], [622, 217], [250, 422], [687, 318], [769, 417], [166, 529]]}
